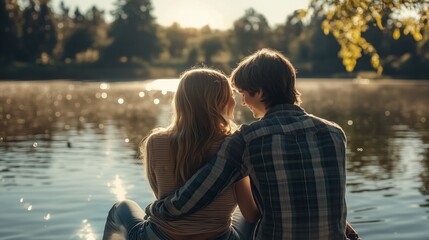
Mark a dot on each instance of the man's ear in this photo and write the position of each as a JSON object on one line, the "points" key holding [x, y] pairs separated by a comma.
{"points": [[259, 94]]}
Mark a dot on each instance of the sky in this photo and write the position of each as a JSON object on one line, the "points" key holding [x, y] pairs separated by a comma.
{"points": [[219, 14]]}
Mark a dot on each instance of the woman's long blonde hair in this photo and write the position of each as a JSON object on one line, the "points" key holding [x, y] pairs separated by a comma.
{"points": [[198, 120]]}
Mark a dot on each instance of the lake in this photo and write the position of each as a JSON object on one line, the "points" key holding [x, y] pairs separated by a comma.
{"points": [[69, 150]]}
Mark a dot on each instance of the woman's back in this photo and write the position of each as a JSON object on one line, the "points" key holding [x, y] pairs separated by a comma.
{"points": [[202, 113], [210, 221]]}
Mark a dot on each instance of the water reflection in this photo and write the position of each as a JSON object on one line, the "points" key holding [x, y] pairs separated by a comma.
{"points": [[63, 106], [117, 188], [62, 142], [86, 232]]}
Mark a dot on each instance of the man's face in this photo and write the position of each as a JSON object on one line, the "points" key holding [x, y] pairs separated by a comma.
{"points": [[229, 108], [253, 103]]}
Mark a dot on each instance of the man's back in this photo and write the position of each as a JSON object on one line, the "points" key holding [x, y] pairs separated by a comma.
{"points": [[297, 165]]}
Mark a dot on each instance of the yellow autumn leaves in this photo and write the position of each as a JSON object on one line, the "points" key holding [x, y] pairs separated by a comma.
{"points": [[409, 26], [346, 20]]}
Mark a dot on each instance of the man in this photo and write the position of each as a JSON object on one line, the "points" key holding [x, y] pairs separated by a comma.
{"points": [[296, 161]]}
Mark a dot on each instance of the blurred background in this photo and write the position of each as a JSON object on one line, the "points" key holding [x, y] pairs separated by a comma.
{"points": [[83, 82], [51, 39]]}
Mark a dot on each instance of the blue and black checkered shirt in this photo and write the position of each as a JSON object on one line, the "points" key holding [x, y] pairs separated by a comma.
{"points": [[296, 163]]}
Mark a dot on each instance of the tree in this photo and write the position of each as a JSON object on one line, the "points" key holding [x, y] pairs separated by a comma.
{"points": [[348, 20], [319, 48], [289, 35], [251, 32], [30, 32], [177, 38], [95, 16], [78, 16], [47, 29], [211, 46], [192, 59], [64, 10], [39, 30], [80, 40], [134, 32], [8, 30]]}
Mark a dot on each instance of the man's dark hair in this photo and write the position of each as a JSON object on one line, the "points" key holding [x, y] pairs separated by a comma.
{"points": [[271, 72]]}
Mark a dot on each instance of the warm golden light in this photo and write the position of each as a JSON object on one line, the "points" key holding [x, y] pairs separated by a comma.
{"points": [[117, 188], [86, 233], [164, 85]]}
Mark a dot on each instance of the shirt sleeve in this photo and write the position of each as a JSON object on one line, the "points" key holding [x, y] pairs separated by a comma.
{"points": [[203, 187]]}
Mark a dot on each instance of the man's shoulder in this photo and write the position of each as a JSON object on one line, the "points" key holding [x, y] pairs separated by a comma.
{"points": [[330, 124], [256, 129]]}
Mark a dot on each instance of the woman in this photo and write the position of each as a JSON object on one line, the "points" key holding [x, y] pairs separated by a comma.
{"points": [[203, 110]]}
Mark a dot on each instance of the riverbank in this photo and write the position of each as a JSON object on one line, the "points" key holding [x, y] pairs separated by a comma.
{"points": [[83, 72], [125, 72]]}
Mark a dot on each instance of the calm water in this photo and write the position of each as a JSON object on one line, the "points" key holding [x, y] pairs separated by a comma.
{"points": [[69, 150]]}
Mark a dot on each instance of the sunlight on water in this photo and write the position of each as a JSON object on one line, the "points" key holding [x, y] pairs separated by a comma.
{"points": [[104, 86], [86, 232], [163, 85], [61, 141], [409, 149], [117, 188]]}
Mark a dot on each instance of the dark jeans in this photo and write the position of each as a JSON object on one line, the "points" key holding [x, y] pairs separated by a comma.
{"points": [[126, 221]]}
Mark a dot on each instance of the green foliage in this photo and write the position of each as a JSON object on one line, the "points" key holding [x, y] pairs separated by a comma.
{"points": [[39, 35], [211, 46], [134, 32], [47, 38], [177, 40], [82, 33], [347, 21], [192, 59], [251, 32], [8, 30], [80, 40], [327, 38], [30, 32]]}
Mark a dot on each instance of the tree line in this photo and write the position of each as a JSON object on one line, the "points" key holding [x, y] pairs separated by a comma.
{"points": [[328, 38]]}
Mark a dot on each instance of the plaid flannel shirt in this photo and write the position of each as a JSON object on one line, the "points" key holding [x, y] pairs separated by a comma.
{"points": [[296, 163]]}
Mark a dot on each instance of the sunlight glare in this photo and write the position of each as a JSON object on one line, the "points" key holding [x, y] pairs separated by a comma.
{"points": [[196, 14], [104, 86], [167, 85], [86, 233], [117, 188]]}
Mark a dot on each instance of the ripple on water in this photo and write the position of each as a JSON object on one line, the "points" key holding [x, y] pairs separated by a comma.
{"points": [[70, 150]]}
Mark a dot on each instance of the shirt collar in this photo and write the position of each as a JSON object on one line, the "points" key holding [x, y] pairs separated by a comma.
{"points": [[293, 109]]}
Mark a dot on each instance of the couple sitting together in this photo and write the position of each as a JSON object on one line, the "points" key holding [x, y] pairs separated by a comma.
{"points": [[286, 171]]}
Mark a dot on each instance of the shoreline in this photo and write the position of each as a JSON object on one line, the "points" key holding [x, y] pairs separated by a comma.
{"points": [[125, 73]]}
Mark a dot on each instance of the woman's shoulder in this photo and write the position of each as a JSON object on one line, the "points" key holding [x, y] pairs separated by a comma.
{"points": [[158, 137]]}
